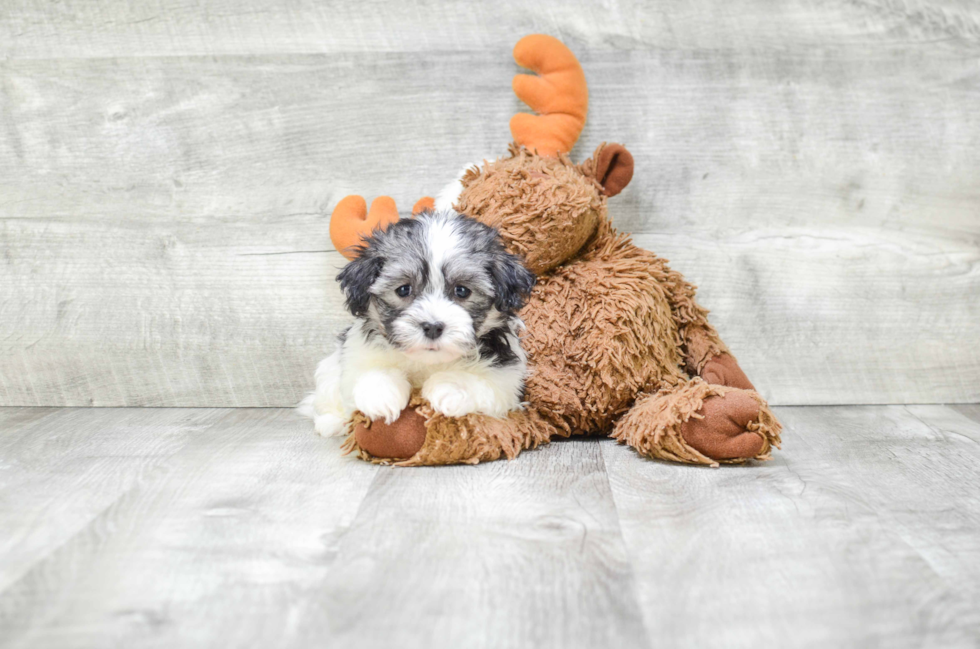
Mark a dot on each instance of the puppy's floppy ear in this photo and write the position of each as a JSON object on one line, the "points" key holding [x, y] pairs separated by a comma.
{"points": [[357, 277], [512, 282]]}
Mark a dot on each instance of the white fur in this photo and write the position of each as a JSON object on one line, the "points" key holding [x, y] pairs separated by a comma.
{"points": [[449, 195], [455, 393], [443, 242], [370, 376], [324, 405], [382, 393], [457, 337], [378, 364]]}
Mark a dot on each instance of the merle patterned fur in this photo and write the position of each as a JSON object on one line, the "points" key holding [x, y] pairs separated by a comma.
{"points": [[471, 256]]}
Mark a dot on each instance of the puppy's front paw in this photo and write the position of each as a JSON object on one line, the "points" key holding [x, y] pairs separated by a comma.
{"points": [[382, 394], [455, 394]]}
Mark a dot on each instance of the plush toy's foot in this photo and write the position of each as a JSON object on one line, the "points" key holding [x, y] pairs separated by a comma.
{"points": [[398, 440], [700, 423], [720, 429]]}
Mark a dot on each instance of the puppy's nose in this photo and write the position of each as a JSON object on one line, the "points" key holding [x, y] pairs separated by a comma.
{"points": [[432, 330]]}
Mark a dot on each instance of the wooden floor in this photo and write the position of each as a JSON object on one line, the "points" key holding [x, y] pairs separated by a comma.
{"points": [[239, 527]]}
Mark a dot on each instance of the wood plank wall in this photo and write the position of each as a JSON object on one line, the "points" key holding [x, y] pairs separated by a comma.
{"points": [[167, 171]]}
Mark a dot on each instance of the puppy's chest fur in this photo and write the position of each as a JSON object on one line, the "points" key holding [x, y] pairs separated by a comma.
{"points": [[363, 351]]}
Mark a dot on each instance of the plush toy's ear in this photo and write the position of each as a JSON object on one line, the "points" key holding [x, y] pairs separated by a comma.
{"points": [[356, 279], [351, 222], [612, 167], [512, 282]]}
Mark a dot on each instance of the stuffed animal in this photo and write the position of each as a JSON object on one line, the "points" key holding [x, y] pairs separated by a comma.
{"points": [[616, 343]]}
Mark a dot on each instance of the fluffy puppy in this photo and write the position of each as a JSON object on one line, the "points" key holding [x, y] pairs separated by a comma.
{"points": [[435, 300]]}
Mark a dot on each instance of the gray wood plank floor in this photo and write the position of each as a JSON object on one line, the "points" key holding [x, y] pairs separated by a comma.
{"points": [[239, 528]]}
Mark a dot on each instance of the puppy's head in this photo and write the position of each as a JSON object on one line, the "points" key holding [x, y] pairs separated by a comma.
{"points": [[434, 284]]}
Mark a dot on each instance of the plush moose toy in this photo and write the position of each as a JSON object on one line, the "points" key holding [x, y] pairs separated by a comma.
{"points": [[616, 343]]}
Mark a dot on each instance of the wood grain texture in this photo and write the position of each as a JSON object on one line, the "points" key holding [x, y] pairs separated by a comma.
{"points": [[166, 171], [217, 528], [865, 531], [215, 546], [159, 314], [971, 411], [62, 469], [843, 315], [945, 472], [256, 534], [75, 28], [504, 554]]}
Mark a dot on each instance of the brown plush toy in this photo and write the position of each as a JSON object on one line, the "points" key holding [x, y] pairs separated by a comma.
{"points": [[616, 343]]}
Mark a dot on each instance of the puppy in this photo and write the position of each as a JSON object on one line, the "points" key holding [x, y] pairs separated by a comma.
{"points": [[435, 300]]}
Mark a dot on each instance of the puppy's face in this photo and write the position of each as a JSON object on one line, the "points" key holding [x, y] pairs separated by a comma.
{"points": [[432, 285]]}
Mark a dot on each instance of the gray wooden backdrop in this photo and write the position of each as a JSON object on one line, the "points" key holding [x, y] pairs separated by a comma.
{"points": [[167, 170]]}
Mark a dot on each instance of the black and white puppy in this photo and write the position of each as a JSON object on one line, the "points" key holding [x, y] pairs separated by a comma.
{"points": [[435, 300]]}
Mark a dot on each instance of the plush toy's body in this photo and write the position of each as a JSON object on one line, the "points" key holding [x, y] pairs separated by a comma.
{"points": [[615, 341]]}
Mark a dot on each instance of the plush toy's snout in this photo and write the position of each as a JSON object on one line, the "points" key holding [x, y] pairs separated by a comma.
{"points": [[546, 208]]}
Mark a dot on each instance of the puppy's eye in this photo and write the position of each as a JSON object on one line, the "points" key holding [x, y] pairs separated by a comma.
{"points": [[462, 292], [404, 291]]}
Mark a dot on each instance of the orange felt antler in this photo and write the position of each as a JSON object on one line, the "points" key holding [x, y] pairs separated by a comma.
{"points": [[559, 95], [423, 204], [351, 221]]}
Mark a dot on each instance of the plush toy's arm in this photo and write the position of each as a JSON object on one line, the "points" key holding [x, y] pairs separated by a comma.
{"points": [[705, 354], [700, 340], [422, 436]]}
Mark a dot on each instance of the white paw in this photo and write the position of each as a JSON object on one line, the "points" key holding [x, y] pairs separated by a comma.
{"points": [[450, 400], [455, 394], [382, 394], [329, 425]]}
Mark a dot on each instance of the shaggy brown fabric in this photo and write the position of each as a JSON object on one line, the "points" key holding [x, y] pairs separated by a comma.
{"points": [[700, 342], [540, 205], [615, 339], [465, 440], [600, 330], [686, 422]]}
